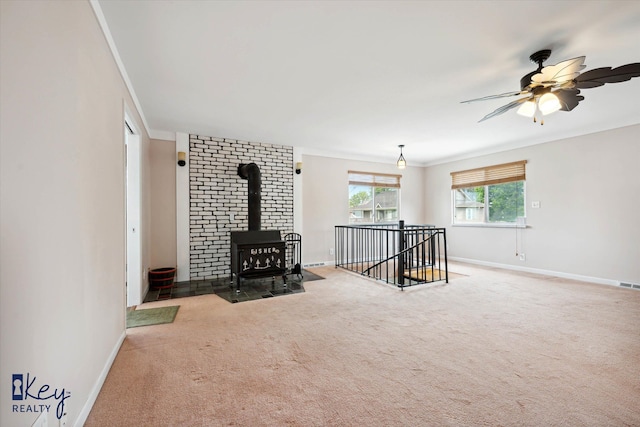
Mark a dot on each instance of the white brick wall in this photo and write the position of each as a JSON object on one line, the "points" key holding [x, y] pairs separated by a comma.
{"points": [[217, 193]]}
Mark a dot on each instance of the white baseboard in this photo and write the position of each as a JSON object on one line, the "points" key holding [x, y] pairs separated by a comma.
{"points": [[579, 277], [318, 264], [86, 409], [561, 274]]}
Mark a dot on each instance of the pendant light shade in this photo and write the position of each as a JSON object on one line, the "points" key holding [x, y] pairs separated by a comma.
{"points": [[549, 103], [401, 163], [527, 109]]}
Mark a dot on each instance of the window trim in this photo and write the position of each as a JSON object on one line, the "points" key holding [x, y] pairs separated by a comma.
{"points": [[491, 225]]}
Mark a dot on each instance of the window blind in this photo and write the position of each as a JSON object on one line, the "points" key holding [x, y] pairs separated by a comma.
{"points": [[374, 179], [497, 174]]}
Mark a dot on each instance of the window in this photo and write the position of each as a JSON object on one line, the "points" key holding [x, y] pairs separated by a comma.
{"points": [[373, 198], [490, 195]]}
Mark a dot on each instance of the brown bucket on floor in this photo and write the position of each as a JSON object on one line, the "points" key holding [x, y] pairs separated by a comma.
{"points": [[161, 278]]}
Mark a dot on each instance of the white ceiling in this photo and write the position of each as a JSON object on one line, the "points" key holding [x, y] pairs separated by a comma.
{"points": [[357, 78]]}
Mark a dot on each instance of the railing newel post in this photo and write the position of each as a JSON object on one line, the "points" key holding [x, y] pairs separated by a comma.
{"points": [[401, 253]]}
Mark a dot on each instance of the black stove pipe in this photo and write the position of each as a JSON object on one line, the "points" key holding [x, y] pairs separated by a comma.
{"points": [[251, 172]]}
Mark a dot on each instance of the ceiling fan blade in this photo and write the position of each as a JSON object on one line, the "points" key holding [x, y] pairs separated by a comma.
{"points": [[502, 95], [505, 108], [600, 76], [561, 72], [569, 98]]}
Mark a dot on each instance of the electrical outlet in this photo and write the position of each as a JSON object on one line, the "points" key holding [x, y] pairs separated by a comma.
{"points": [[523, 257], [535, 205], [331, 251]]}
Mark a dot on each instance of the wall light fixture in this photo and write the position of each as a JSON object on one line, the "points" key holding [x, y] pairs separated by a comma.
{"points": [[182, 158]]}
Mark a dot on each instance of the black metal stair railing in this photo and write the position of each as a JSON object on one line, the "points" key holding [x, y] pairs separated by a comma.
{"points": [[397, 254]]}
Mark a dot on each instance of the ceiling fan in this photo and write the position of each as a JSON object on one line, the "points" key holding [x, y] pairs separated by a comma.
{"points": [[557, 87]]}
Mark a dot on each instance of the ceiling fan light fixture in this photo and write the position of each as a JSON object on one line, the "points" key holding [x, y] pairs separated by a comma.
{"points": [[548, 103], [527, 109], [401, 163], [557, 87]]}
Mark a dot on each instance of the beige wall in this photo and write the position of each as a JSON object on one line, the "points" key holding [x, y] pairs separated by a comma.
{"points": [[62, 251], [587, 224], [325, 200], [163, 203]]}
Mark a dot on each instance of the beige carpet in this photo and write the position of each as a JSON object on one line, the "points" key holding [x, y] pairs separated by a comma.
{"points": [[491, 349]]}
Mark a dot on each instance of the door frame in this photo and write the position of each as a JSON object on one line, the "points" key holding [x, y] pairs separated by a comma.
{"points": [[133, 214]]}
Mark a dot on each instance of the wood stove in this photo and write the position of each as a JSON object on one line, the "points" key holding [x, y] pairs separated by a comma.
{"points": [[255, 253]]}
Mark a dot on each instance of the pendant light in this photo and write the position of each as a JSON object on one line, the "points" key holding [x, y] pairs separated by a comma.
{"points": [[401, 163]]}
